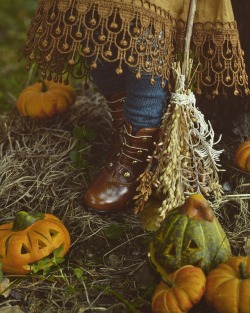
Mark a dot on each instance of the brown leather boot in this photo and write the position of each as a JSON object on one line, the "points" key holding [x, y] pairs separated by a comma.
{"points": [[115, 104], [115, 187]]}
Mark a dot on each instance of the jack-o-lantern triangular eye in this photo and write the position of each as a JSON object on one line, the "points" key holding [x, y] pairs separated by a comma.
{"points": [[192, 245], [171, 250], [53, 233], [41, 244], [24, 249]]}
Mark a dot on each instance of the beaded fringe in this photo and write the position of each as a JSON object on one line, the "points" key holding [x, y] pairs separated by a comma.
{"points": [[68, 36]]}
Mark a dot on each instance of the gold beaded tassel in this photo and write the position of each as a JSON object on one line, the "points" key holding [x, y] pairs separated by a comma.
{"points": [[145, 38]]}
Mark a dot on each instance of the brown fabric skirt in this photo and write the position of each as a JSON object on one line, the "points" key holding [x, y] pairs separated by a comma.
{"points": [[147, 35]]}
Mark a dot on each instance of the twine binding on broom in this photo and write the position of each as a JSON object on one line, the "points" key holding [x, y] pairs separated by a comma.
{"points": [[187, 162]]}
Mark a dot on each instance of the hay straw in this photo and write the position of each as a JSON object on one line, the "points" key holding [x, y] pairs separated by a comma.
{"points": [[36, 174], [233, 211]]}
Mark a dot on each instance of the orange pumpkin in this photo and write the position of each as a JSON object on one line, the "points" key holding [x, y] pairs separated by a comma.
{"points": [[31, 237], [242, 156], [228, 286], [45, 99], [183, 289]]}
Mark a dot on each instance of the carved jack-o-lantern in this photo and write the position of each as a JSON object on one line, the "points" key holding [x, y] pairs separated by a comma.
{"points": [[189, 235], [30, 238]]}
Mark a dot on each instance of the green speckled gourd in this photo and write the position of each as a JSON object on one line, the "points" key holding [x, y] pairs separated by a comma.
{"points": [[189, 235]]}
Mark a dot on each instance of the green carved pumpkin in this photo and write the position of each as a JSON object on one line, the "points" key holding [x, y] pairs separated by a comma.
{"points": [[189, 235]]}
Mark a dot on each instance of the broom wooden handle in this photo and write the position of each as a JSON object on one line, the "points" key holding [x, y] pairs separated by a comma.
{"points": [[190, 22]]}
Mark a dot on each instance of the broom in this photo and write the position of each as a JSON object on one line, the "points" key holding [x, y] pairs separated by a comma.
{"points": [[187, 162]]}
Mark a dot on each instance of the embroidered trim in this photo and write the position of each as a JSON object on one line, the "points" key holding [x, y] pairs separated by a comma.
{"points": [[66, 35]]}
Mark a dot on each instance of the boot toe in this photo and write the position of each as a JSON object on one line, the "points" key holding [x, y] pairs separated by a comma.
{"points": [[106, 198], [115, 187]]}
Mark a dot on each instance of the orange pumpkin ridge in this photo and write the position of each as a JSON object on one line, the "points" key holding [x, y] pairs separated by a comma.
{"points": [[242, 156], [46, 99], [228, 286], [21, 244], [185, 288]]}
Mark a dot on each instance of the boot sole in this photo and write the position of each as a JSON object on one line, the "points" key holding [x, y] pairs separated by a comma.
{"points": [[127, 207]]}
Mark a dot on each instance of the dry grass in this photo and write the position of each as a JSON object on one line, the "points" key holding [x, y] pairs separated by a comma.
{"points": [[234, 213], [100, 273], [36, 174]]}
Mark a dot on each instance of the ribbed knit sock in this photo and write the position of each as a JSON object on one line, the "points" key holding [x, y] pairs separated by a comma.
{"points": [[144, 103], [106, 79]]}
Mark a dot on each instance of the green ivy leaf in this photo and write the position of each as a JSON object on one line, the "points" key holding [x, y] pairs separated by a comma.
{"points": [[78, 272], [78, 160], [77, 132], [84, 133], [46, 263], [58, 251], [58, 260], [88, 134], [42, 265], [71, 289], [114, 231], [74, 156], [82, 147], [46, 271]]}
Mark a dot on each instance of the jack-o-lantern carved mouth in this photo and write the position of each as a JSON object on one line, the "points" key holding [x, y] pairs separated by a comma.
{"points": [[192, 251], [25, 250], [40, 243], [50, 256], [192, 246], [54, 258], [189, 235]]}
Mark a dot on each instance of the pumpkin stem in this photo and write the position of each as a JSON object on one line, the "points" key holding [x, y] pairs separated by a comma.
{"points": [[168, 282], [243, 271], [24, 220], [44, 87], [197, 207]]}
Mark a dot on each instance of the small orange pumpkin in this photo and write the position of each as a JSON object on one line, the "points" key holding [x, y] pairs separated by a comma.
{"points": [[45, 99], [242, 156], [228, 286], [31, 237], [183, 289]]}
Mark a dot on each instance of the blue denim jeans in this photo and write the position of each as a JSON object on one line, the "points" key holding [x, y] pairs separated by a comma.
{"points": [[144, 103]]}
